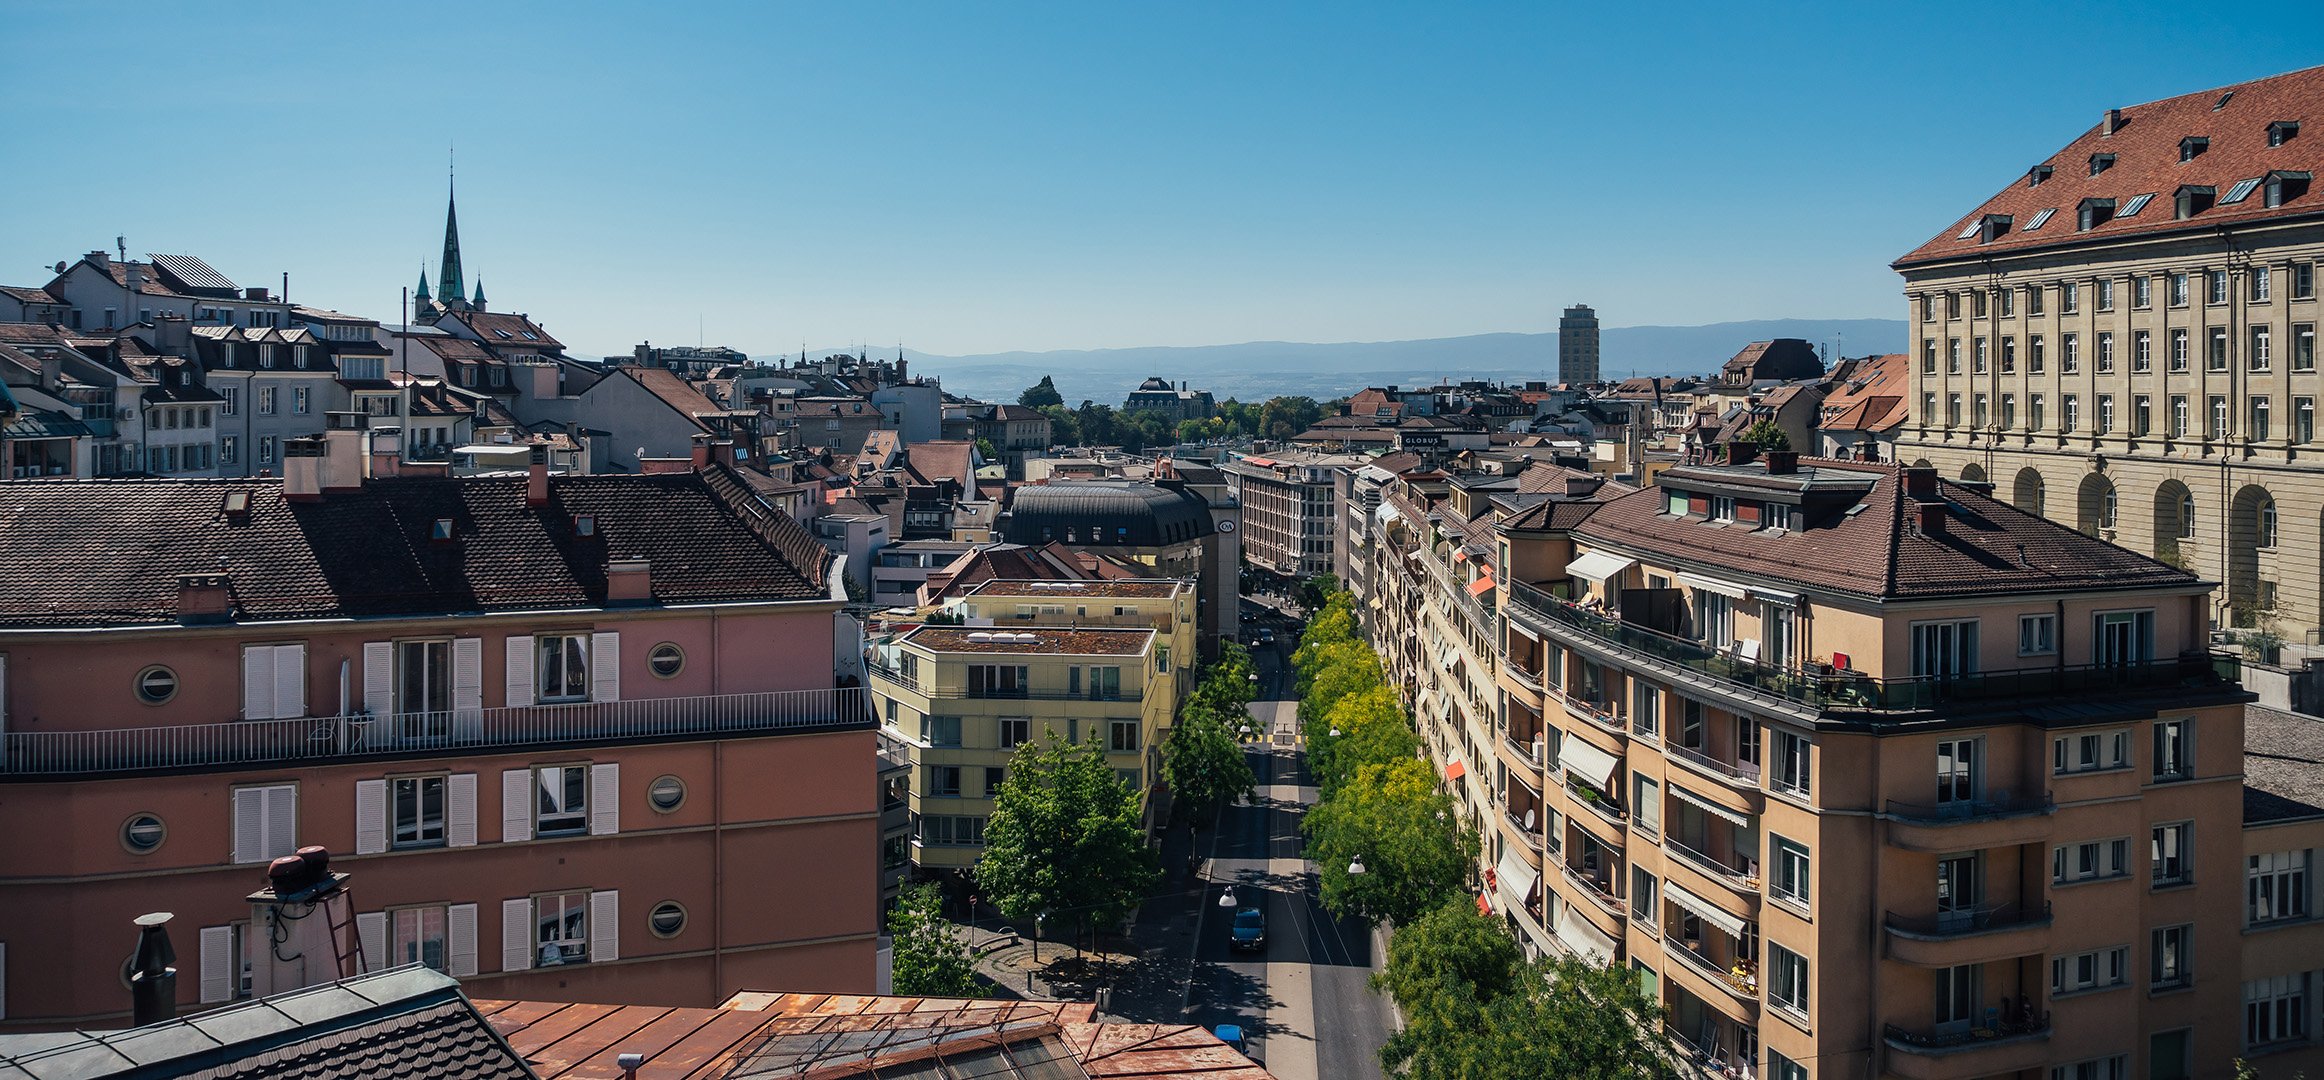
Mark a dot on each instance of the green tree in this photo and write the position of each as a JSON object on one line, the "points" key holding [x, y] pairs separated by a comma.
{"points": [[1766, 435], [1284, 417], [1415, 853], [1349, 667], [1204, 765], [1040, 394], [1226, 687], [1565, 1018], [1100, 425], [1064, 425], [1193, 431], [930, 959], [1368, 728], [986, 450], [1315, 591], [1442, 972], [1064, 839]]}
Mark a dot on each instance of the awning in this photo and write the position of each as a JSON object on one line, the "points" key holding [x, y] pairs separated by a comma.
{"points": [[1709, 807], [1703, 909], [1766, 595], [1515, 878], [1444, 658], [1425, 706], [46, 424], [1454, 770], [1712, 584], [1522, 631], [1588, 762], [1598, 566], [1481, 586], [1587, 941], [1484, 905]]}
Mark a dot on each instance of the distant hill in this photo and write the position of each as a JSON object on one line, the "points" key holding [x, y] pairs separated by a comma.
{"points": [[1261, 369]]}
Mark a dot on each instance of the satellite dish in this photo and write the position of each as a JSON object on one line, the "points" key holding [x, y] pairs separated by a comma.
{"points": [[60, 268]]}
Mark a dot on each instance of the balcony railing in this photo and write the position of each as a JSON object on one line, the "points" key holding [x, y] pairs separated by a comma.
{"points": [[1535, 751], [1743, 774], [1865, 693], [1737, 876], [1533, 836], [1741, 983], [1964, 810], [328, 738], [1972, 920], [1598, 804], [1605, 897], [1978, 1034]]}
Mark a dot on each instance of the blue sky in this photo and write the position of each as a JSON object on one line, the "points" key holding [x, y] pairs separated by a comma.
{"points": [[974, 178]]}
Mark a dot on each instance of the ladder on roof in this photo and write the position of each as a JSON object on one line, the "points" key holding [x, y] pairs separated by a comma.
{"points": [[346, 942]]}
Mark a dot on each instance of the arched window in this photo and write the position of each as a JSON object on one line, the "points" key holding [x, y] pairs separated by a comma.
{"points": [[2187, 516], [2267, 524], [2106, 508]]}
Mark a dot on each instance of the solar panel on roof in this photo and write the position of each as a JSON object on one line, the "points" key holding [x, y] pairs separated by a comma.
{"points": [[194, 272], [2240, 192], [2136, 204], [2039, 218]]}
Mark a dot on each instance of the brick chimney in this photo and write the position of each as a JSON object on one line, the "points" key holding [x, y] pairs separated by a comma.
{"points": [[722, 452], [1929, 516], [1782, 462], [302, 468], [537, 477], [701, 452], [204, 598], [1920, 484], [629, 581], [1740, 452]]}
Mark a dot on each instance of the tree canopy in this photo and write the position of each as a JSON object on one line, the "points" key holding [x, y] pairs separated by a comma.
{"points": [[1767, 435], [1407, 835], [1040, 394], [929, 957], [1064, 839]]}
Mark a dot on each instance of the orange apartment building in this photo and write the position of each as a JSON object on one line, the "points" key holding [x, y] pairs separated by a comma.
{"points": [[1871, 774], [574, 738]]}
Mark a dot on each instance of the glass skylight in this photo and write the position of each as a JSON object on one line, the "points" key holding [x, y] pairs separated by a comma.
{"points": [[2136, 204], [2039, 218], [2240, 192]]}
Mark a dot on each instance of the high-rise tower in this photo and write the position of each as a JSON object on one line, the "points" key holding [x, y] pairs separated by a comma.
{"points": [[1577, 346]]}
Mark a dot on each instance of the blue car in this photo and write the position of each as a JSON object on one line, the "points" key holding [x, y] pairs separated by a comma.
{"points": [[1249, 933], [1232, 1035]]}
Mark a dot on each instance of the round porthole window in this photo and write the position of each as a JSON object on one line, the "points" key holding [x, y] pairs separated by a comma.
{"points": [[142, 833], [666, 793], [156, 684], [666, 660], [667, 919]]}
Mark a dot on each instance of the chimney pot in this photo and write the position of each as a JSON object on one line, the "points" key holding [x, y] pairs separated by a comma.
{"points": [[537, 477], [153, 986]]}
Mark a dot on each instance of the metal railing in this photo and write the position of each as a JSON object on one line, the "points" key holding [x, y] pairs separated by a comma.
{"points": [[1533, 837], [1536, 751], [1736, 876], [1843, 691], [1970, 1036], [1598, 804], [1605, 897], [1964, 810], [333, 737], [1972, 920], [1744, 984], [1742, 773]]}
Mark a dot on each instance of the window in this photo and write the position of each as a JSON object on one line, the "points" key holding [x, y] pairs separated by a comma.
{"points": [[1122, 736], [2303, 419], [2169, 958], [1132, 780], [942, 781], [2275, 887], [233, 403], [2275, 1010], [666, 794], [2303, 281], [2105, 413], [1928, 358], [940, 730], [2037, 635], [562, 667], [2179, 416], [1722, 508], [2033, 412], [1952, 305], [1793, 761], [561, 800], [2070, 353], [1747, 742], [156, 685], [2174, 756], [995, 777], [416, 811], [1645, 803], [417, 936], [2033, 293], [2142, 351], [2090, 752], [666, 660], [2215, 284], [1944, 649], [266, 401], [2142, 414], [1776, 632], [667, 919], [1790, 880], [1953, 355], [2267, 507], [562, 928], [2108, 1068], [997, 680], [1105, 683], [2009, 356], [2099, 969], [1928, 307], [1981, 355], [2304, 347], [1978, 412], [1788, 987], [2142, 292], [266, 449], [2171, 858], [2092, 860], [1015, 731], [2215, 357], [2179, 289], [2009, 412], [2218, 418], [1780, 1067], [1952, 410], [2179, 350], [2106, 294], [1718, 619], [2036, 354], [2008, 302], [2106, 350], [2125, 638], [2263, 351], [945, 830], [1928, 408], [265, 822], [143, 833], [2262, 285], [299, 399], [1643, 909], [1645, 707], [1977, 304], [229, 449]]}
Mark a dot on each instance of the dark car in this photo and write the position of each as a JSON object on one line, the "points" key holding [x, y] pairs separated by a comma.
{"points": [[1250, 930], [1250, 616], [1266, 635]]}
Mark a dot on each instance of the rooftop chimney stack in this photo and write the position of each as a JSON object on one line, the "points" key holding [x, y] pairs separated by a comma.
{"points": [[153, 986], [537, 477], [1782, 462], [2112, 124], [307, 911], [1920, 484], [701, 452], [302, 468], [205, 598], [1929, 516], [344, 460]]}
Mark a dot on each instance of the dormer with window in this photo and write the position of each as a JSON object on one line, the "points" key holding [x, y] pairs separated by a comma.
{"points": [[266, 356], [2100, 163], [2283, 131], [2092, 213], [1992, 227], [2036, 176], [2284, 186], [2192, 147], [2193, 199]]}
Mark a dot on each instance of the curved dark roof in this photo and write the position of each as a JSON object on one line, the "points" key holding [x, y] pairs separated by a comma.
{"points": [[1129, 513]]}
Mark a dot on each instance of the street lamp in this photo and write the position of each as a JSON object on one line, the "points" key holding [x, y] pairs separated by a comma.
{"points": [[1356, 865], [1335, 733], [1227, 899]]}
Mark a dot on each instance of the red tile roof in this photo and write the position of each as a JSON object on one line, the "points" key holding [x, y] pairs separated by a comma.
{"points": [[502, 330], [1874, 400], [675, 392], [2146, 162]]}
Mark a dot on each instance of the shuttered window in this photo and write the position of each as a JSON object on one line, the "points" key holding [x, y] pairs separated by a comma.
{"points": [[265, 822], [557, 929], [274, 681]]}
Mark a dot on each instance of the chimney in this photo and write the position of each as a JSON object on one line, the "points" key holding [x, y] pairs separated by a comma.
{"points": [[537, 477], [255, 293], [2112, 123], [1929, 516], [306, 911], [1920, 483], [1740, 452], [722, 452], [153, 986], [1782, 462], [101, 258], [343, 457], [629, 581], [302, 468], [205, 598], [52, 370], [701, 452]]}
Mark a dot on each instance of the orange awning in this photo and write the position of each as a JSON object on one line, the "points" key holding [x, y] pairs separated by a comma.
{"points": [[1454, 770], [1484, 905], [1481, 586]]}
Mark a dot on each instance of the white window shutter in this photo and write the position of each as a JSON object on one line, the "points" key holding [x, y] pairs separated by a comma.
{"points": [[460, 939], [249, 825], [258, 682], [605, 667], [282, 819], [516, 934], [460, 810], [604, 926], [219, 967], [290, 681], [379, 677], [516, 805], [370, 816], [605, 799], [520, 671], [468, 675], [371, 929]]}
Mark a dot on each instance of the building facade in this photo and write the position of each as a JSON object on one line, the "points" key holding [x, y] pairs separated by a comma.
{"points": [[1577, 346], [1290, 500]]}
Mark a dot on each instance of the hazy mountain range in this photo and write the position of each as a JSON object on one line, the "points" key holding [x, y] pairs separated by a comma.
{"points": [[1257, 370]]}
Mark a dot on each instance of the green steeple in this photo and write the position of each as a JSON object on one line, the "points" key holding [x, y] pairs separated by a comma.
{"points": [[479, 301], [449, 280], [423, 283]]}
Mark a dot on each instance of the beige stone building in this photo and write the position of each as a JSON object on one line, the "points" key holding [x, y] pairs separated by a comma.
{"points": [[2124, 339]]}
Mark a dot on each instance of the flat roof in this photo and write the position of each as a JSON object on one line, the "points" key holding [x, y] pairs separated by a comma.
{"points": [[1148, 588], [1074, 641]]}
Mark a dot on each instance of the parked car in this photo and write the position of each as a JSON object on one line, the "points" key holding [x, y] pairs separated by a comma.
{"points": [[1232, 1035], [1249, 933], [1266, 635], [1250, 616]]}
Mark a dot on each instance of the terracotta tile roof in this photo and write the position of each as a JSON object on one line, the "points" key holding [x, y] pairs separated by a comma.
{"points": [[30, 295], [1873, 399], [109, 553], [500, 329], [2146, 162], [1986, 547], [1050, 641]]}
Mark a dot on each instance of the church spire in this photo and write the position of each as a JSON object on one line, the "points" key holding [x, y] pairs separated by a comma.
{"points": [[479, 293], [449, 280], [423, 293]]}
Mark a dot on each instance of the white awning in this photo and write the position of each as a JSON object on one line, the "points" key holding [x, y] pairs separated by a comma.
{"points": [[1516, 879], [1703, 909], [1709, 807], [1598, 566], [1588, 762], [1445, 658], [1425, 707], [1585, 940], [1765, 595], [1712, 584], [1522, 631]]}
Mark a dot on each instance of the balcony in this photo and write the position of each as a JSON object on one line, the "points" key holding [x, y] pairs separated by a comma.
{"points": [[1514, 825], [333, 738], [1848, 692], [1964, 825], [1974, 936], [1956, 1054], [1601, 895], [1737, 878], [1600, 805], [1741, 775], [1739, 982], [1519, 752]]}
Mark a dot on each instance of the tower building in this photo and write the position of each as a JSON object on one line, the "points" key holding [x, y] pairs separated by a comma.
{"points": [[1577, 346]]}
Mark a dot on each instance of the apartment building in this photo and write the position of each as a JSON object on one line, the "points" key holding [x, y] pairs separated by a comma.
{"points": [[962, 699], [573, 736], [2124, 339], [1290, 508], [1867, 773]]}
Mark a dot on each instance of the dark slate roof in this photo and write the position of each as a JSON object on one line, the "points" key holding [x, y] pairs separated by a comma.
{"points": [[1986, 546], [2283, 766], [109, 552], [406, 1021], [1128, 513]]}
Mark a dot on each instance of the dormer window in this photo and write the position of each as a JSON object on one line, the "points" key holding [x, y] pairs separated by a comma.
{"points": [[2036, 175], [266, 356], [2192, 147], [2285, 186], [2193, 199], [2283, 131], [2100, 163], [2094, 212], [299, 356]]}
